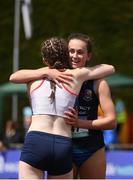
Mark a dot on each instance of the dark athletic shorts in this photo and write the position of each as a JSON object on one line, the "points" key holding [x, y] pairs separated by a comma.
{"points": [[84, 148], [80, 155], [48, 152]]}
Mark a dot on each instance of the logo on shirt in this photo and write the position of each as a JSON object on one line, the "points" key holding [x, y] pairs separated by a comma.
{"points": [[87, 95]]}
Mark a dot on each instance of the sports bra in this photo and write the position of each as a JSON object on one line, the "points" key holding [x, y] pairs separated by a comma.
{"points": [[41, 103]]}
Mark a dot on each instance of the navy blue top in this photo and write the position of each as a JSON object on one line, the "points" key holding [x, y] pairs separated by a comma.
{"points": [[87, 104]]}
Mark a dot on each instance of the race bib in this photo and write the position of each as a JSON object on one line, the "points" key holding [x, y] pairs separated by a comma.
{"points": [[80, 132]]}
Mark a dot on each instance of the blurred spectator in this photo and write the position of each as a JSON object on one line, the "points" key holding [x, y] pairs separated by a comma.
{"points": [[110, 137], [27, 113], [121, 114], [2, 146], [12, 134]]}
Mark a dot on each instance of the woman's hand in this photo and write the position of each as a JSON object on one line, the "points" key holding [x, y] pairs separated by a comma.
{"points": [[71, 117], [60, 76], [28, 75]]}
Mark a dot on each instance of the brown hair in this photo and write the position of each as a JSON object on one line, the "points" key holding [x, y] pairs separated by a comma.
{"points": [[55, 52], [82, 37]]}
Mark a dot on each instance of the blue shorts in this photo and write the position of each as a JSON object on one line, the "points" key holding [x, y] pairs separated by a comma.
{"points": [[80, 155], [85, 147], [48, 152]]}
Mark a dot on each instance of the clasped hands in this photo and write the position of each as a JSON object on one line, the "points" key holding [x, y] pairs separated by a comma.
{"points": [[60, 76]]}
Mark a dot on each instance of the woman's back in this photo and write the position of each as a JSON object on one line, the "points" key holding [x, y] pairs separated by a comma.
{"points": [[42, 101], [48, 115]]}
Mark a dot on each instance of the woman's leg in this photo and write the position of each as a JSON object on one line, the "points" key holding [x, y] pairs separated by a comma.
{"points": [[94, 167], [64, 176], [28, 172]]}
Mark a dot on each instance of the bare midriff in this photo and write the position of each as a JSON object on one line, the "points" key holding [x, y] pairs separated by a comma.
{"points": [[50, 124]]}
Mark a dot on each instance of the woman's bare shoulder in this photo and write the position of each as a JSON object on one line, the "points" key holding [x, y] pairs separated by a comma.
{"points": [[34, 84]]}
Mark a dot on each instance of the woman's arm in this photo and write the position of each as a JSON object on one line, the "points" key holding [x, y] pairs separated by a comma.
{"points": [[95, 72], [102, 70], [27, 75], [108, 121]]}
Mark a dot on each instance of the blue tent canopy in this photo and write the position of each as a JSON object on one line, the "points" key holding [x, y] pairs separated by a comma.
{"points": [[120, 80]]}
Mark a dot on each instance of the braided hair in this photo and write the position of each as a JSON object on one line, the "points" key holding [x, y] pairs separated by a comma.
{"points": [[55, 52]]}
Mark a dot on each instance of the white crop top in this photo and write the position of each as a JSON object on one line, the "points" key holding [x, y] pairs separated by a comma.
{"points": [[41, 104]]}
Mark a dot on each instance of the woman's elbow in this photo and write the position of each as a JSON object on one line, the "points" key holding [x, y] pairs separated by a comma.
{"points": [[113, 123], [12, 78], [113, 69]]}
